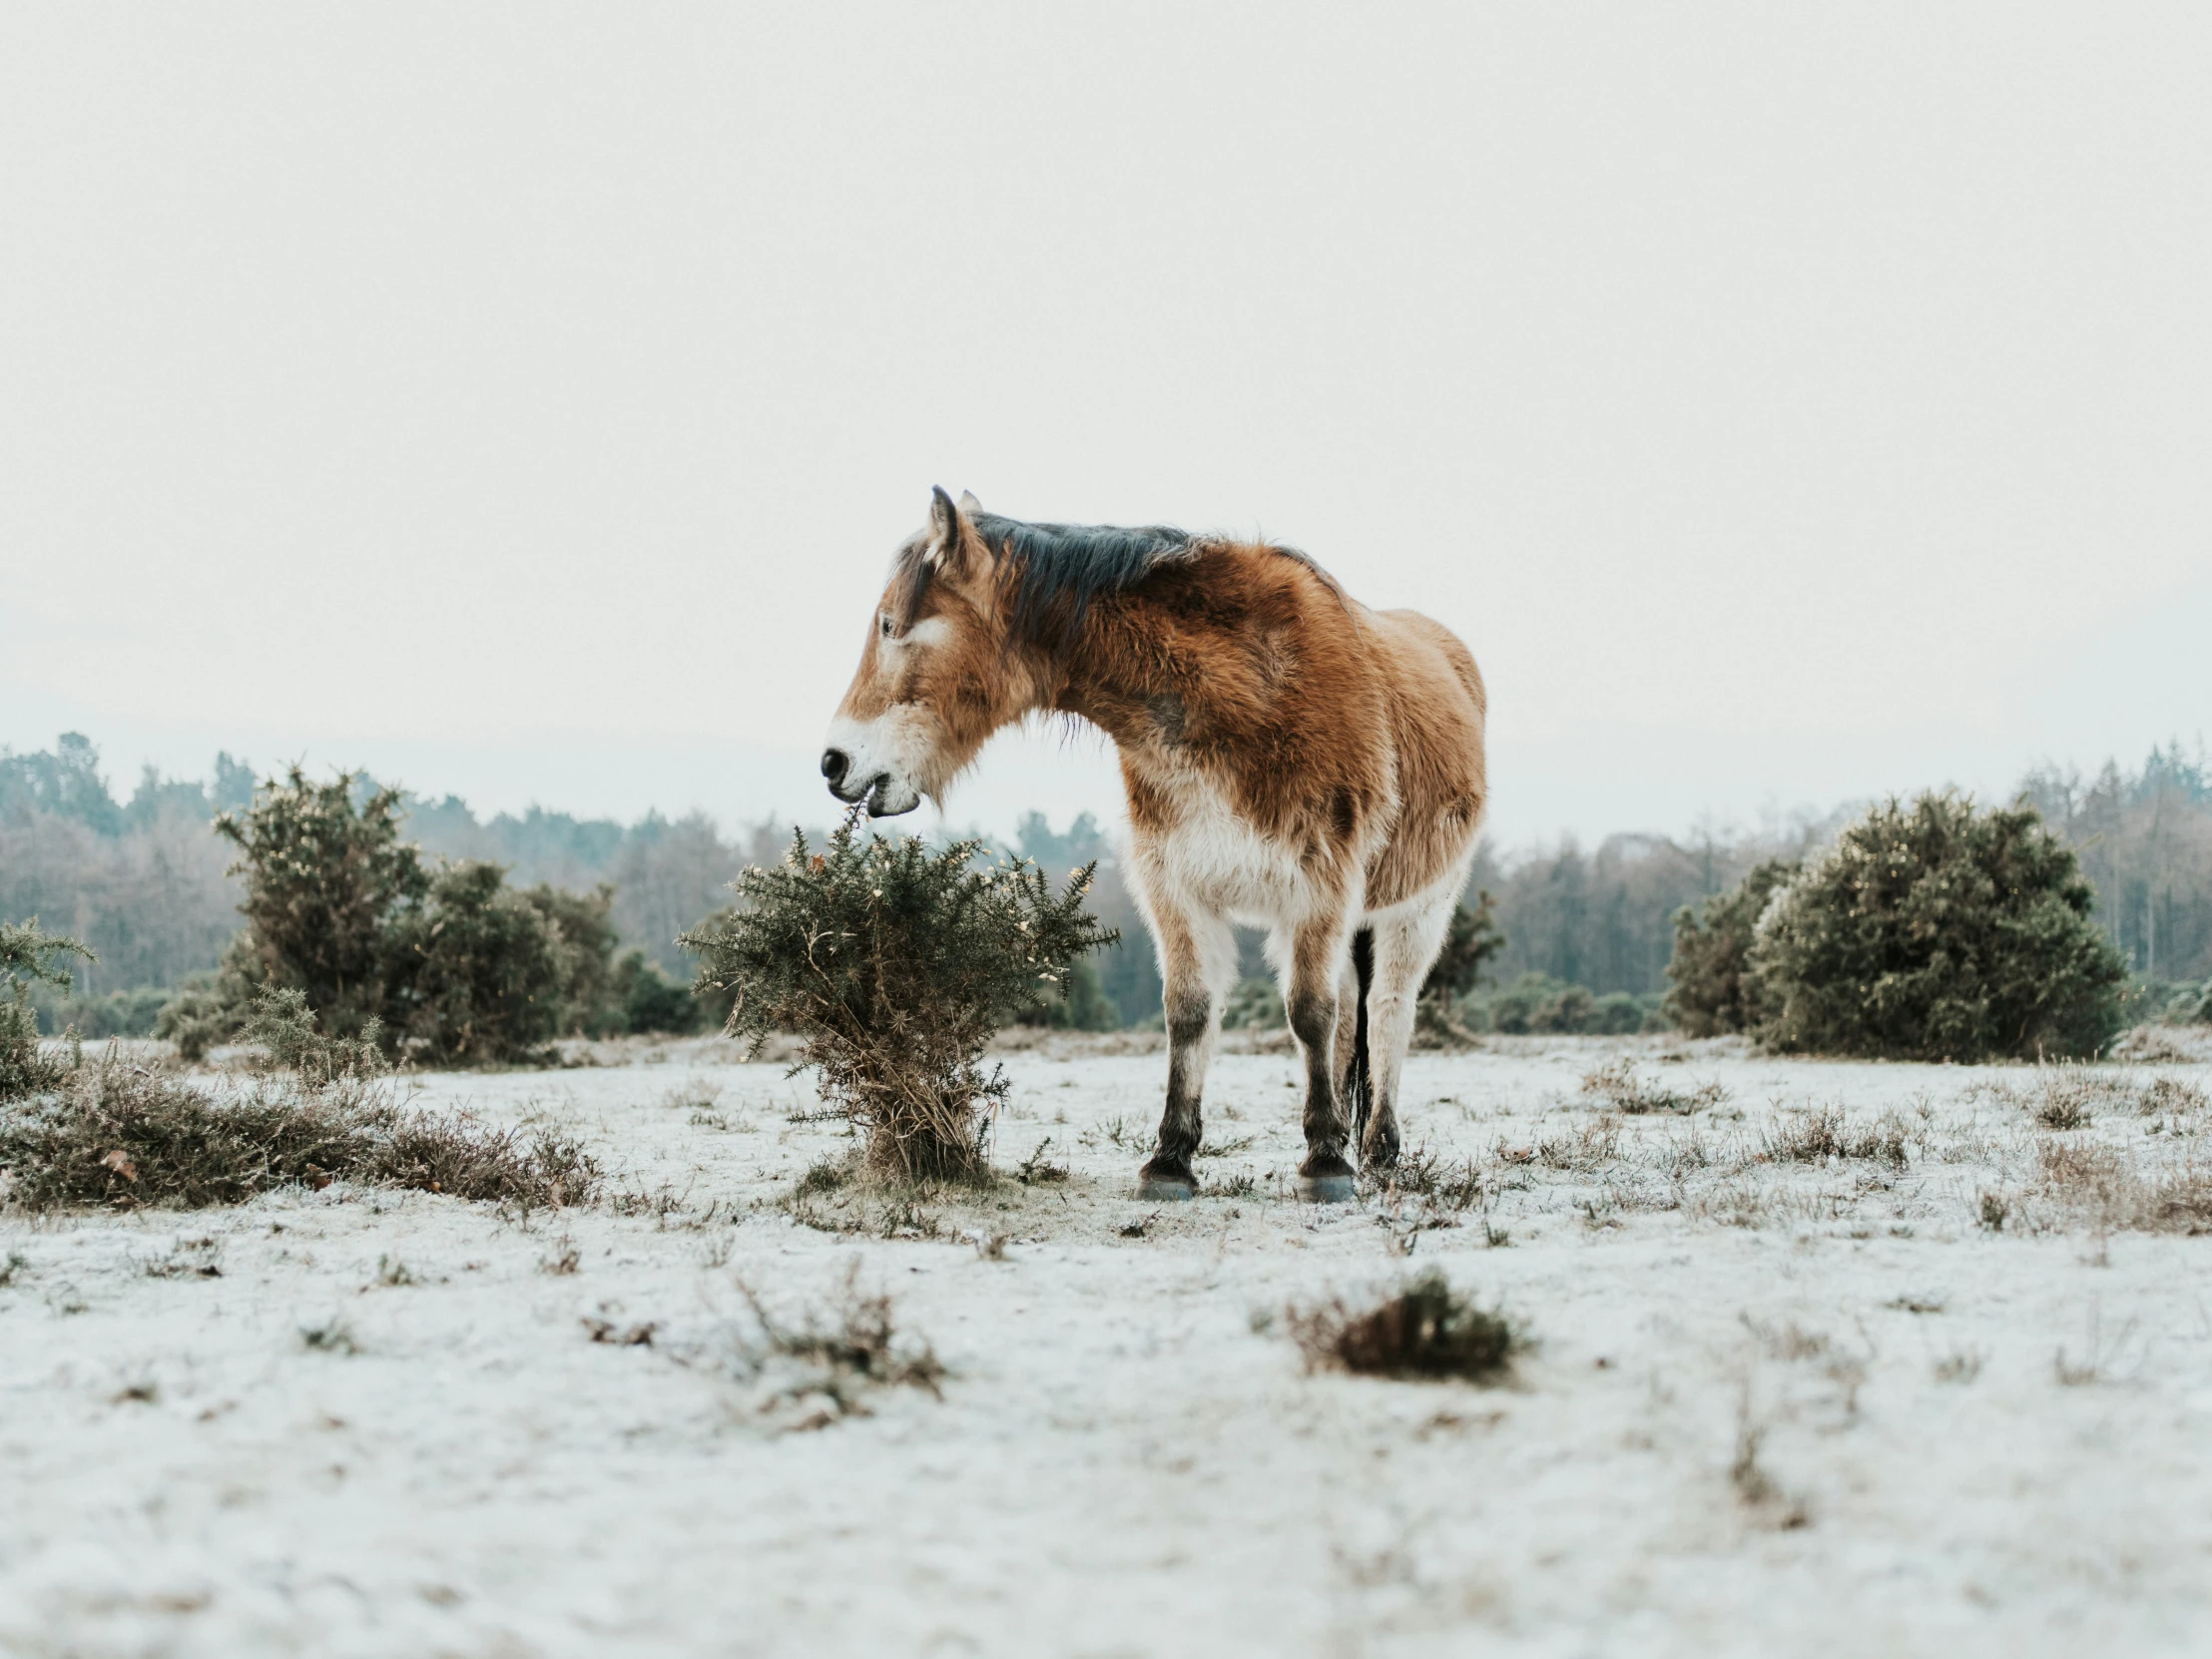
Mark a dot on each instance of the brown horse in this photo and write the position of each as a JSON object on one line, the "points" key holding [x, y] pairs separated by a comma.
{"points": [[1292, 759]]}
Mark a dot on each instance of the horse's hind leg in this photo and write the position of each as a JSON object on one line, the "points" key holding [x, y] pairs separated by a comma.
{"points": [[1404, 947], [1317, 957], [1198, 963]]}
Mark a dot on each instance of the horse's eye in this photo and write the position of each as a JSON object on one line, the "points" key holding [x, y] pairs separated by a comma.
{"points": [[884, 622]]}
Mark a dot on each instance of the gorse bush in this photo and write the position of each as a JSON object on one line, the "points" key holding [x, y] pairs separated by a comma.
{"points": [[324, 880], [451, 963], [1714, 990], [28, 956], [893, 965], [1933, 931], [481, 974]]}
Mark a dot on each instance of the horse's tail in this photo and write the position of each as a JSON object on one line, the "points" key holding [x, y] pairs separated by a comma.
{"points": [[1359, 1085]]}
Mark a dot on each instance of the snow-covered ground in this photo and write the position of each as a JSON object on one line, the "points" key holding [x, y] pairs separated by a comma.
{"points": [[1775, 1406]]}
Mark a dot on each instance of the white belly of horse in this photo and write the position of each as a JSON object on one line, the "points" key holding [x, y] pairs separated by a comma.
{"points": [[1214, 861]]}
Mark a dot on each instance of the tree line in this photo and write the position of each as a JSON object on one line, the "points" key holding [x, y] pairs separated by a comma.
{"points": [[1583, 937]]}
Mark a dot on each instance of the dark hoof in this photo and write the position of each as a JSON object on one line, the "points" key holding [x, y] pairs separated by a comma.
{"points": [[1160, 1182], [1325, 1178], [1324, 1189]]}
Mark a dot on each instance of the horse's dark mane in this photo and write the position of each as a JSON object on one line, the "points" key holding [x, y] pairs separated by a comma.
{"points": [[1061, 568]]}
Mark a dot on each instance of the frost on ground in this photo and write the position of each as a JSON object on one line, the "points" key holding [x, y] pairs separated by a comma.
{"points": [[1829, 1359]]}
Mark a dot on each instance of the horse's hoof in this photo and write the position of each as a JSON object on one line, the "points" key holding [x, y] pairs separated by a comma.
{"points": [[1324, 1189], [1165, 1180]]}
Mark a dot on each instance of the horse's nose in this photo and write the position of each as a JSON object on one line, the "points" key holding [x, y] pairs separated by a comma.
{"points": [[833, 763]]}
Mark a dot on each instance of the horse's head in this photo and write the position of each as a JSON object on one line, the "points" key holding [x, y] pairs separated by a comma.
{"points": [[936, 680]]}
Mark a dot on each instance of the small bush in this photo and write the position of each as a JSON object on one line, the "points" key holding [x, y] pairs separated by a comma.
{"points": [[1255, 1004], [129, 1013], [1426, 1331], [1536, 1003], [484, 971], [1713, 989], [1471, 942], [649, 1003], [893, 965], [1933, 932], [28, 956], [323, 878]]}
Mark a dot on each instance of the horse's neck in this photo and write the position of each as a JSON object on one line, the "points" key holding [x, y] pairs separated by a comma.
{"points": [[1109, 678]]}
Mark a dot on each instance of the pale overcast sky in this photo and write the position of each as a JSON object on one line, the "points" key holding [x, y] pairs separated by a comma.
{"points": [[1788, 403]]}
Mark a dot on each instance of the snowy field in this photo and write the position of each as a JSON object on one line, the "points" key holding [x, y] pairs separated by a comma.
{"points": [[1778, 1404]]}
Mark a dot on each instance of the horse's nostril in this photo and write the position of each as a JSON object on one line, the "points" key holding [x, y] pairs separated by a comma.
{"points": [[833, 763]]}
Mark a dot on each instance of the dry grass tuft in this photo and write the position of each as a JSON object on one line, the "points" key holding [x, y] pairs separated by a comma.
{"points": [[832, 1358], [1589, 1148], [1824, 1132], [2070, 1097], [1426, 1331], [1035, 1170], [2113, 1194], [1620, 1088], [120, 1136]]}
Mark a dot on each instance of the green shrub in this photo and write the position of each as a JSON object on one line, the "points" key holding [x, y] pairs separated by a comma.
{"points": [[1084, 1004], [1254, 1003], [480, 970], [130, 1013], [1713, 990], [1536, 1003], [582, 931], [325, 879], [203, 1012], [1933, 932], [893, 965], [2193, 1007], [451, 963], [647, 1001], [1616, 1014], [1471, 942], [28, 956]]}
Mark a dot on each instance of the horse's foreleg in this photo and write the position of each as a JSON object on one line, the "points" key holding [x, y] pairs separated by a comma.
{"points": [[1198, 958], [1404, 949], [1315, 1007]]}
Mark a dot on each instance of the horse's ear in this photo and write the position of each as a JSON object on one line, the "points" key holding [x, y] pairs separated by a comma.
{"points": [[968, 504], [954, 548]]}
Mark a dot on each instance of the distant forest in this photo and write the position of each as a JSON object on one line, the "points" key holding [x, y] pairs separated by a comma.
{"points": [[141, 880]]}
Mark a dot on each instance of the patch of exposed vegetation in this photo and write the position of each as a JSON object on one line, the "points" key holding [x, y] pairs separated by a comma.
{"points": [[1815, 1136], [2108, 1189], [894, 967], [122, 1136], [2070, 1097], [1619, 1087], [821, 1365], [1424, 1330]]}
